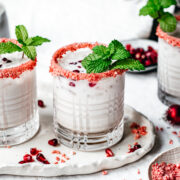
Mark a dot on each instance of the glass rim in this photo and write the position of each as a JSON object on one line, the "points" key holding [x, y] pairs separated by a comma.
{"points": [[57, 70], [174, 41], [15, 72]]}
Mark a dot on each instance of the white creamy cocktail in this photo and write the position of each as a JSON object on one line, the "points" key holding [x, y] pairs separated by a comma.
{"points": [[18, 110], [169, 66], [88, 108]]}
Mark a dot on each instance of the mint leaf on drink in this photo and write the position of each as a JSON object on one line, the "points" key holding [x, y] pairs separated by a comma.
{"points": [[118, 51], [21, 33], [28, 43], [115, 56], [29, 51], [127, 64], [155, 9], [9, 47], [36, 41], [167, 3], [167, 22]]}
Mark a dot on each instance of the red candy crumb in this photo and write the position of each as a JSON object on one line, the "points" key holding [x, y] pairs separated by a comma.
{"points": [[138, 171], [104, 172], [56, 163], [109, 152], [138, 130], [174, 132], [170, 141], [56, 152], [63, 161], [57, 158]]}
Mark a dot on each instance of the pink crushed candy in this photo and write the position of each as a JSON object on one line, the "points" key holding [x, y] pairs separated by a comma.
{"points": [[164, 171], [138, 171]]}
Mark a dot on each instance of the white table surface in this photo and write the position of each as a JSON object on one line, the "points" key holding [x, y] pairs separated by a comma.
{"points": [[141, 89]]}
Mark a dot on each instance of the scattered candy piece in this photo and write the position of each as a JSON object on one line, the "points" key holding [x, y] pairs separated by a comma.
{"points": [[56, 152], [57, 158], [63, 161], [56, 163], [104, 172], [170, 141]]}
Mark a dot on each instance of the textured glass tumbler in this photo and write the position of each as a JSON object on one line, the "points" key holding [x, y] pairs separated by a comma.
{"points": [[169, 67], [89, 118], [19, 119]]}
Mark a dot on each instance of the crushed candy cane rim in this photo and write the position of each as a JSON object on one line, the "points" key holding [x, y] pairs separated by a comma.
{"points": [[15, 72], [57, 70], [174, 41]]}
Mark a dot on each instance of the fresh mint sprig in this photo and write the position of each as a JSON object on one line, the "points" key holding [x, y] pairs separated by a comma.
{"points": [[28, 43], [115, 56], [155, 9]]}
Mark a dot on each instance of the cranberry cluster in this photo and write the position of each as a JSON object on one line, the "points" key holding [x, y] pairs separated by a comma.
{"points": [[146, 57]]}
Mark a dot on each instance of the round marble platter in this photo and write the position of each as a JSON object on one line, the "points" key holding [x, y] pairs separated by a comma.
{"points": [[81, 162]]}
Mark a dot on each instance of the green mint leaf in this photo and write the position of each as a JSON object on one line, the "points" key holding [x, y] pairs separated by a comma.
{"points": [[30, 52], [149, 10], [167, 3], [167, 22], [118, 51], [21, 33], [9, 47], [93, 63], [131, 64], [102, 51], [36, 41]]}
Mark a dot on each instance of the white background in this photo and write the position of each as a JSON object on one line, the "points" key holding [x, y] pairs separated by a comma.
{"points": [[67, 21]]}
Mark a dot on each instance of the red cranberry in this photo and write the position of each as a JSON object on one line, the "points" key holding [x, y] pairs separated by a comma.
{"points": [[147, 62], [28, 158], [143, 56], [72, 84], [34, 151], [132, 51], [40, 157], [53, 142], [0, 65], [92, 84], [41, 103], [141, 50], [109, 152], [76, 71], [154, 57], [128, 47], [173, 114]]}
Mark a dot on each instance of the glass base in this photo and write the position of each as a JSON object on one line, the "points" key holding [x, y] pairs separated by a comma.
{"points": [[167, 99], [19, 134], [91, 141]]}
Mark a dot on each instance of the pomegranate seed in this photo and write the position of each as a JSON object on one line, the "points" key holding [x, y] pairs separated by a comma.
{"points": [[128, 47], [28, 158], [147, 62], [150, 48], [4, 59], [92, 84], [41, 103], [40, 157], [76, 71], [72, 84], [34, 151], [170, 141], [53, 142], [80, 61], [22, 162], [109, 152], [8, 61], [132, 149], [79, 66], [138, 55], [0, 65], [73, 63], [138, 171]]}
